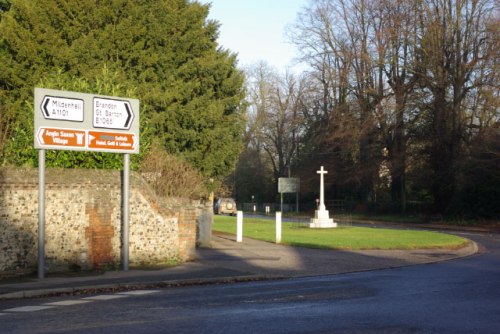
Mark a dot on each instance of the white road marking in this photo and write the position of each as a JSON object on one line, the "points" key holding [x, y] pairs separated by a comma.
{"points": [[28, 308], [138, 292], [68, 302], [78, 301], [105, 297]]}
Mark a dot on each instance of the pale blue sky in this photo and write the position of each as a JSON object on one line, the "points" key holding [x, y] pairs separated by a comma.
{"points": [[255, 29]]}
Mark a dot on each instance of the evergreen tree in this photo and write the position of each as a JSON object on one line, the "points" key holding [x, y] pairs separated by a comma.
{"points": [[4, 5], [165, 49]]}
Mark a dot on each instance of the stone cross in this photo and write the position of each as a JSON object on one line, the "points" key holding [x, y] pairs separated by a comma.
{"points": [[321, 172], [321, 216]]}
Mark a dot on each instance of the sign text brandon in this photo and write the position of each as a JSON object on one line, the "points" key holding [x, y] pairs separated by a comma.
{"points": [[112, 114]]}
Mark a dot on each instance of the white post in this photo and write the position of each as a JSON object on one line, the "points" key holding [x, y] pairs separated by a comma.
{"points": [[239, 226], [278, 227]]}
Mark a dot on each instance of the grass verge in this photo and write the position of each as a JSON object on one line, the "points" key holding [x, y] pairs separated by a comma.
{"points": [[343, 238]]}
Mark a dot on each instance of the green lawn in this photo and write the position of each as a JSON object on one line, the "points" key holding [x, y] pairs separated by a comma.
{"points": [[347, 238]]}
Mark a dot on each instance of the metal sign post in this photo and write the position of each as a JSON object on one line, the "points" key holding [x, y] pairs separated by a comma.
{"points": [[125, 214], [41, 214], [84, 122]]}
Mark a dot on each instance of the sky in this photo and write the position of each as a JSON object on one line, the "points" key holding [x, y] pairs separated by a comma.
{"points": [[255, 29]]}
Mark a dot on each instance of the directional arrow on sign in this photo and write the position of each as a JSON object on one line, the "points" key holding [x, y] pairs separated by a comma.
{"points": [[40, 136], [62, 108], [112, 114], [130, 115]]}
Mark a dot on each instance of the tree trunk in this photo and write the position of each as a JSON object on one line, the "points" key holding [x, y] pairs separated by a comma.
{"points": [[397, 156]]}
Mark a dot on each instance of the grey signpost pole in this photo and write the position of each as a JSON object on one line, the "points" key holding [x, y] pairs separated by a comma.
{"points": [[297, 201], [281, 202], [125, 213], [41, 214]]}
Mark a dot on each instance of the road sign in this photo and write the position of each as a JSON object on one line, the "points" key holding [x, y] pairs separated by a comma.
{"points": [[57, 112], [54, 109], [66, 138], [288, 185], [112, 114], [116, 141], [61, 108]]}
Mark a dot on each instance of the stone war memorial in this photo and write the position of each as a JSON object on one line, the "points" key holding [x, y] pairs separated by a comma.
{"points": [[321, 216]]}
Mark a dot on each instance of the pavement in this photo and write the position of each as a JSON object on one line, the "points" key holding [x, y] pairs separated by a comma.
{"points": [[229, 261]]}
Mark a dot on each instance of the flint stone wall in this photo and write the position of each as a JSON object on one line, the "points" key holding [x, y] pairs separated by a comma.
{"points": [[83, 222]]}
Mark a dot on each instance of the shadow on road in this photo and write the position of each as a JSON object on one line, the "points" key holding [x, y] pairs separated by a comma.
{"points": [[264, 258]]}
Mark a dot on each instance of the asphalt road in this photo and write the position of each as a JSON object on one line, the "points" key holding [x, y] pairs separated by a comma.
{"points": [[457, 296]]}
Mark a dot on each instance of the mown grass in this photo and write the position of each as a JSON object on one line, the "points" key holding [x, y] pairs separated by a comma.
{"points": [[344, 238]]}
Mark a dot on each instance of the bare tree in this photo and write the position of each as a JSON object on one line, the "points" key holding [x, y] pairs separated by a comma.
{"points": [[396, 34], [456, 52], [339, 41], [275, 104]]}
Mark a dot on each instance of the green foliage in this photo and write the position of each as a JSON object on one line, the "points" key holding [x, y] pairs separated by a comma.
{"points": [[165, 49], [4, 5]]}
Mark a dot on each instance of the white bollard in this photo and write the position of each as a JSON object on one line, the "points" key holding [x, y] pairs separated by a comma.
{"points": [[267, 209], [254, 208], [278, 227], [239, 226]]}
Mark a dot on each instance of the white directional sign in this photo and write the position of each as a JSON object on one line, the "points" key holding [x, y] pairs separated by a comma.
{"points": [[62, 108], [112, 114]]}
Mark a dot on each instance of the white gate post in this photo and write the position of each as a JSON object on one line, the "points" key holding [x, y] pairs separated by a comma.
{"points": [[278, 227], [239, 226]]}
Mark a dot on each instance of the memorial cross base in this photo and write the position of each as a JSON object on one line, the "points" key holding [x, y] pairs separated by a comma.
{"points": [[322, 220]]}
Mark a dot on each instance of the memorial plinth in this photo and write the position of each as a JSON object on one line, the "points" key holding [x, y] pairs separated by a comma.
{"points": [[321, 216], [322, 220]]}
